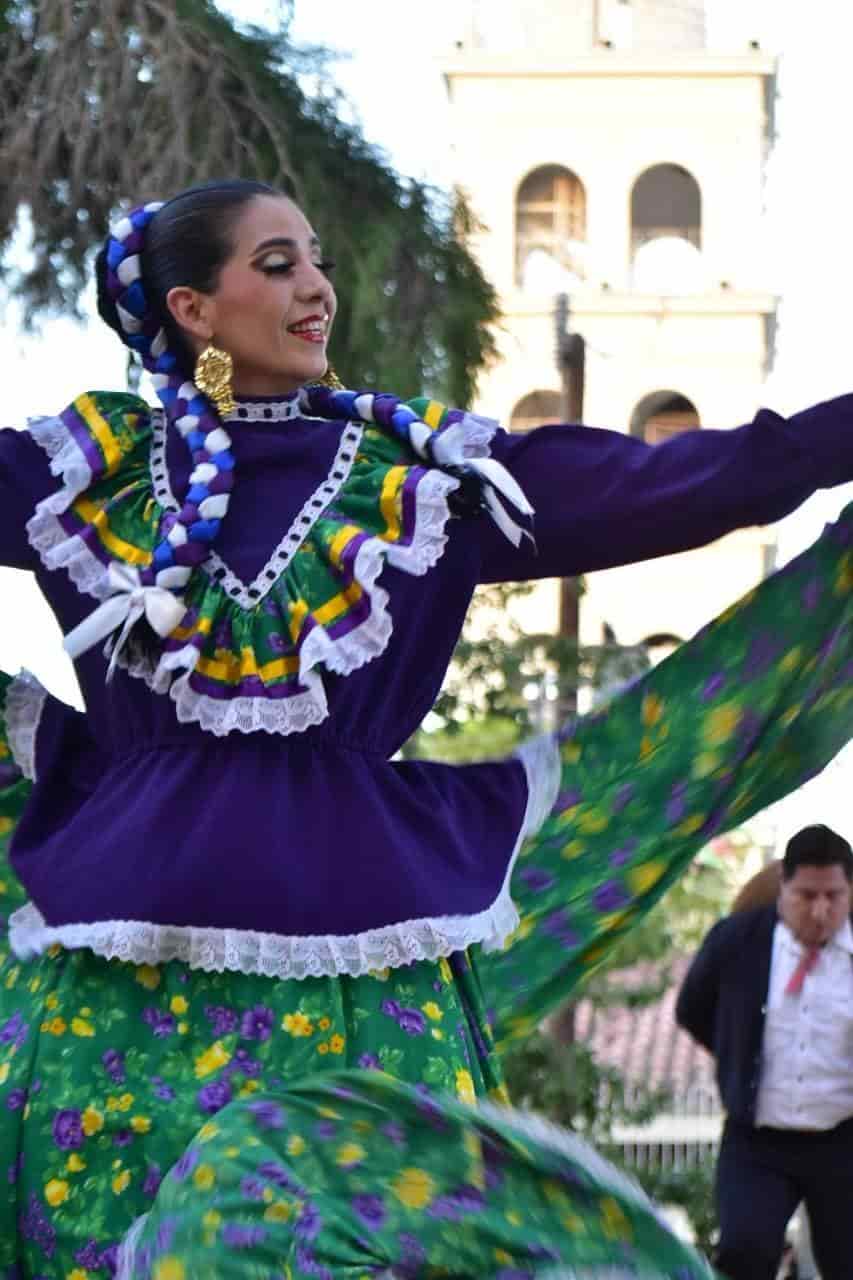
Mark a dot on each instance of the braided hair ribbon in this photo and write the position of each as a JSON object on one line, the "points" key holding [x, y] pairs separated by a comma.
{"points": [[156, 591], [449, 448]]}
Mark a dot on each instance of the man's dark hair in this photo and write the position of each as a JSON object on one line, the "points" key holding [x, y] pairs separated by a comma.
{"points": [[817, 846]]}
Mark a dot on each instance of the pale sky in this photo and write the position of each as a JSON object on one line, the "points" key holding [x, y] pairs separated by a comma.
{"points": [[392, 76]]}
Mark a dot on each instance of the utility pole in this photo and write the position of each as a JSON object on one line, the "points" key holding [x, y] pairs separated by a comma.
{"points": [[570, 355]]}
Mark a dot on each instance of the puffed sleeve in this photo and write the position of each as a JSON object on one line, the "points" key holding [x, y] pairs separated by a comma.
{"points": [[25, 479], [603, 498]]}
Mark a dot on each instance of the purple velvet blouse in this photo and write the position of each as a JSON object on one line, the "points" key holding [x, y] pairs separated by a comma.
{"points": [[135, 816]]}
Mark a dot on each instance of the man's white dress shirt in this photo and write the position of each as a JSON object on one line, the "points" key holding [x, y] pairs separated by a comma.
{"points": [[807, 1055]]}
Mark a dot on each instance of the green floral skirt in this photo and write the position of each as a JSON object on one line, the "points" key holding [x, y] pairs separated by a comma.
{"points": [[189, 1108]]}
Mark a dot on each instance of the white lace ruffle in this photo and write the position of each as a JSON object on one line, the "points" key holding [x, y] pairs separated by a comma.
{"points": [[46, 535], [25, 699], [342, 655], [269, 954]]}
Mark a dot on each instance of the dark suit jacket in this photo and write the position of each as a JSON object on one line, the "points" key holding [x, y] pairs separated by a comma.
{"points": [[723, 1001]]}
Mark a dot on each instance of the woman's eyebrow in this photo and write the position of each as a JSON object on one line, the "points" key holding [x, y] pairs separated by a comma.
{"points": [[283, 242]]}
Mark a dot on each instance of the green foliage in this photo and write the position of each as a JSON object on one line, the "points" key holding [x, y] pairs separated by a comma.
{"points": [[109, 102], [693, 1191]]}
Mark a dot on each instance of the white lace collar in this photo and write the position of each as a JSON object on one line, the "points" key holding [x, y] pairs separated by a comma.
{"points": [[267, 410]]}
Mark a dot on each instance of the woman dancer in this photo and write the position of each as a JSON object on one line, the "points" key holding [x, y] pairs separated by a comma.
{"points": [[231, 886]]}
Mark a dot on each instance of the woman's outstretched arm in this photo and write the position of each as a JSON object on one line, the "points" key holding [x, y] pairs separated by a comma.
{"points": [[603, 498]]}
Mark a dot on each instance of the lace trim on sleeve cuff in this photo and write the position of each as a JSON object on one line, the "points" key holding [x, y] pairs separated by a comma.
{"points": [[25, 699]]}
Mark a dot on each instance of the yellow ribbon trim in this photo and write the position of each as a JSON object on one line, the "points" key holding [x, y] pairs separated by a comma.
{"points": [[101, 430]]}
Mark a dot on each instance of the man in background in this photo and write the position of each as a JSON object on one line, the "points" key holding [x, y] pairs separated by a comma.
{"points": [[770, 995]]}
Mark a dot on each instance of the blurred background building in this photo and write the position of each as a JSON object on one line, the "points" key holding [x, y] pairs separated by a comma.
{"points": [[612, 158]]}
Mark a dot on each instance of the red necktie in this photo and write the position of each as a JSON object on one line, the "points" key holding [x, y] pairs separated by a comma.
{"points": [[808, 960]]}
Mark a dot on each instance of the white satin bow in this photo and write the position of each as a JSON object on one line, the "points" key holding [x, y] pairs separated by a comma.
{"points": [[129, 602], [452, 447]]}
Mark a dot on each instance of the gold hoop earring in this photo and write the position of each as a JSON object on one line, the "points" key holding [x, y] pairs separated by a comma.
{"points": [[212, 375], [330, 379]]}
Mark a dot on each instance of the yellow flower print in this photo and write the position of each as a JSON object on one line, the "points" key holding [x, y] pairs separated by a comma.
{"points": [[51, 1001], [212, 1219], [121, 1182], [721, 723], [324, 1023], [208, 1131], [147, 976], [92, 1121], [36, 982], [643, 877], [690, 825], [178, 1004], [250, 1087], [211, 1060], [349, 1154], [572, 849], [295, 1145], [323, 1048], [204, 1177], [336, 1044], [436, 1033], [14, 975], [5, 828], [445, 970], [183, 1028], [56, 1027], [80, 1027], [278, 1212], [74, 1164], [169, 1268], [56, 1192], [4, 1073], [297, 1024], [652, 711], [432, 1011], [413, 1188], [140, 1124], [591, 821], [465, 1086], [123, 1103], [79, 1273], [615, 1224]]}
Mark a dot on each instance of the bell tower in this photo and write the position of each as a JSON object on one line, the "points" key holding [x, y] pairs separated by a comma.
{"points": [[612, 157]]}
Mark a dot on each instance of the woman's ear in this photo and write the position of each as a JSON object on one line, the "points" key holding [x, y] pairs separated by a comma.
{"points": [[191, 312]]}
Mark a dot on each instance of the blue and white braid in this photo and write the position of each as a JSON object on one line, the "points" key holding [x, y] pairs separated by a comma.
{"points": [[189, 533], [155, 591]]}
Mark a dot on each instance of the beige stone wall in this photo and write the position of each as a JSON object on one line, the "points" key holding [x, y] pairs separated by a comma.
{"points": [[608, 116]]}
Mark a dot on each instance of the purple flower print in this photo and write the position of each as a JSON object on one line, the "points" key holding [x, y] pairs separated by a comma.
{"points": [[113, 1063], [536, 879], [123, 1138], [36, 1227], [184, 1167], [624, 853], [223, 1021], [394, 1133], [108, 1260], [89, 1255], [14, 1030], [252, 1188], [162, 1024], [268, 1115], [16, 1099], [68, 1129], [676, 805], [713, 685], [610, 896], [308, 1223], [390, 1008], [412, 1021], [811, 595], [163, 1091], [214, 1096], [624, 795], [369, 1062], [153, 1178], [237, 1237], [277, 1174], [763, 651], [558, 926], [568, 799], [257, 1023], [370, 1209], [276, 642]]}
